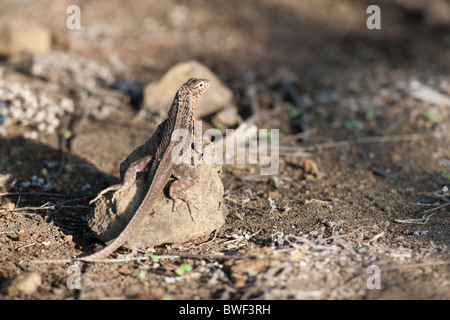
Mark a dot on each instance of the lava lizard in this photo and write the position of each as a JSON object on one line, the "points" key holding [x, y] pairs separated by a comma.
{"points": [[160, 167]]}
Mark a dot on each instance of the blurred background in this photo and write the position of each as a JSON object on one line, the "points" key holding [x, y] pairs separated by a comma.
{"points": [[323, 48]]}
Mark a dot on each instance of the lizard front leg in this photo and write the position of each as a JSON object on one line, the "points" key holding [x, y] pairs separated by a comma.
{"points": [[129, 177], [186, 179]]}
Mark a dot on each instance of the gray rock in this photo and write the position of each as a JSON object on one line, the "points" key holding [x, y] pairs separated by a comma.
{"points": [[162, 224], [158, 96]]}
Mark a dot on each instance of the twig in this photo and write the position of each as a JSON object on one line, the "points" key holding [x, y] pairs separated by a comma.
{"points": [[28, 209], [217, 256], [415, 265], [363, 140], [384, 173], [424, 220], [324, 202], [26, 246], [437, 208], [36, 194], [375, 238], [297, 136], [53, 207], [3, 232]]}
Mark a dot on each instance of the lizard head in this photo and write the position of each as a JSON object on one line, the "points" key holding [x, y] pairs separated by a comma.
{"points": [[197, 87]]}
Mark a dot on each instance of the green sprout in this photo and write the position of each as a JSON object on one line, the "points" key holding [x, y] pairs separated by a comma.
{"points": [[67, 134], [182, 269], [351, 125], [295, 113], [430, 116], [370, 115], [153, 258]]}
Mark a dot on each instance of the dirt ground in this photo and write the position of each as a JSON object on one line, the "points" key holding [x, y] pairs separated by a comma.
{"points": [[371, 158]]}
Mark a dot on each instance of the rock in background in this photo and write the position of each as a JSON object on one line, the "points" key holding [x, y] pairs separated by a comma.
{"points": [[158, 96], [22, 36]]}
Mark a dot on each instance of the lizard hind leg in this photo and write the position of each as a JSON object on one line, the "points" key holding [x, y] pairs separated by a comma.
{"points": [[128, 179], [186, 179]]}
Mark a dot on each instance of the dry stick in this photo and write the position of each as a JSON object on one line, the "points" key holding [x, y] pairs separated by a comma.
{"points": [[298, 136], [384, 173], [36, 194], [220, 256], [423, 220], [415, 265], [26, 246], [363, 140], [43, 208], [217, 256], [437, 208]]}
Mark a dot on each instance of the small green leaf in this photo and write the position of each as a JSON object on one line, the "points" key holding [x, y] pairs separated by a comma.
{"points": [[153, 257], [182, 269], [166, 297], [447, 174], [187, 267], [351, 125], [430, 116], [370, 115], [67, 134], [142, 274], [179, 271], [294, 113]]}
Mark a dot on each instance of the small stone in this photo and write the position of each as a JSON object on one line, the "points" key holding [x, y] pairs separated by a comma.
{"points": [[158, 96], [22, 36], [226, 117], [22, 237], [26, 283], [396, 157], [437, 13], [310, 166]]}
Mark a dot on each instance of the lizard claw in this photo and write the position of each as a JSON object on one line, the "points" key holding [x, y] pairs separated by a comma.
{"points": [[187, 200]]}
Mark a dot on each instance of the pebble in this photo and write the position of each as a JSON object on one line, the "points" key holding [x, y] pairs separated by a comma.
{"points": [[24, 284], [23, 36]]}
